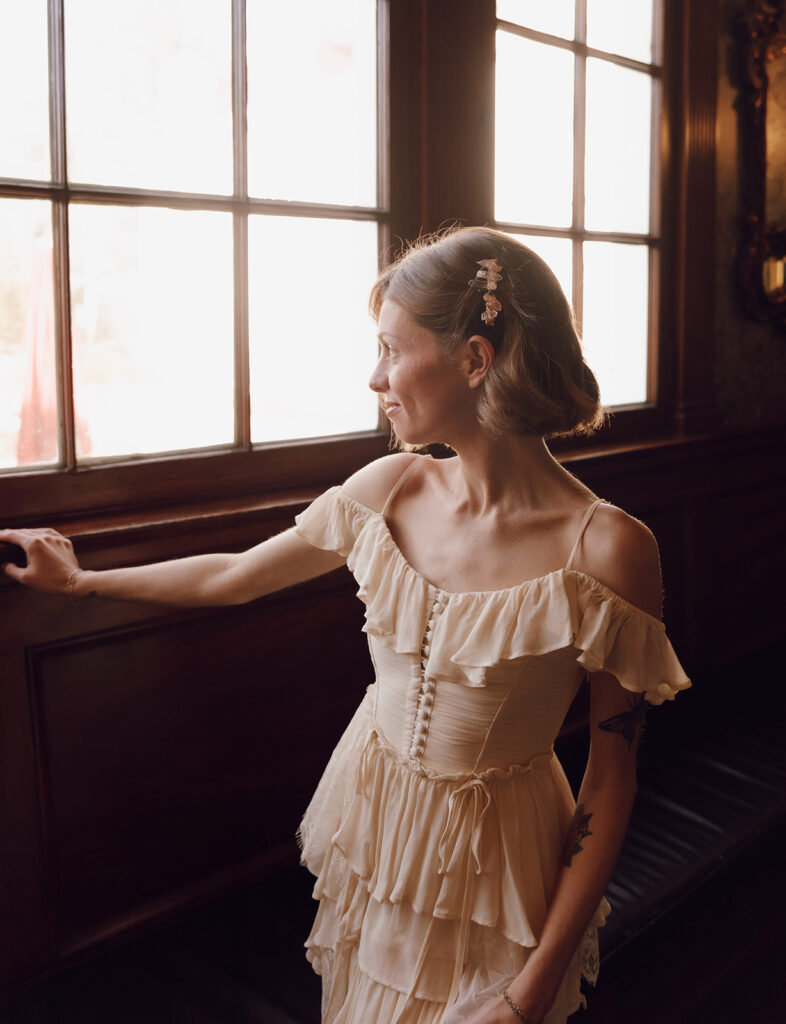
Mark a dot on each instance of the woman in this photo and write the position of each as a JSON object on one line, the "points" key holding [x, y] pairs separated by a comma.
{"points": [[457, 880]]}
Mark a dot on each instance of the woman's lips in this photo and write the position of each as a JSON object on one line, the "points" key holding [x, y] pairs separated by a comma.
{"points": [[391, 408]]}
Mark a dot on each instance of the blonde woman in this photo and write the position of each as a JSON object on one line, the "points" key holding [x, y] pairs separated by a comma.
{"points": [[458, 881]]}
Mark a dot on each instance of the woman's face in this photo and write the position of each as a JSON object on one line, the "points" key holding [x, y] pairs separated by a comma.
{"points": [[424, 394]]}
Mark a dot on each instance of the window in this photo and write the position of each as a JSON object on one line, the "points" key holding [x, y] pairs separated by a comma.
{"points": [[191, 222], [576, 176], [292, 176]]}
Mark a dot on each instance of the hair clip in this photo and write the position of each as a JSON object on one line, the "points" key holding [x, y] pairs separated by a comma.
{"points": [[487, 277]]}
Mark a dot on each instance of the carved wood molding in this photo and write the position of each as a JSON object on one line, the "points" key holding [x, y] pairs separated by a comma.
{"points": [[687, 313]]}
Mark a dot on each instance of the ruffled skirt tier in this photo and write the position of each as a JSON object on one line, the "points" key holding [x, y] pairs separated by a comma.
{"points": [[433, 888]]}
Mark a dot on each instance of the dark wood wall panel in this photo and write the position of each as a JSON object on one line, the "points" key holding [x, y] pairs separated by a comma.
{"points": [[150, 758], [143, 793], [748, 559]]}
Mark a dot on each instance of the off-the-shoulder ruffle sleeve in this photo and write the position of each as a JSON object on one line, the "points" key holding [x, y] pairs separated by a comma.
{"points": [[616, 637], [333, 521], [565, 609]]}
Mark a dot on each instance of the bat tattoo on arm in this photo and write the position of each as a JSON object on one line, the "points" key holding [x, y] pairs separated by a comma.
{"points": [[577, 830], [627, 722]]}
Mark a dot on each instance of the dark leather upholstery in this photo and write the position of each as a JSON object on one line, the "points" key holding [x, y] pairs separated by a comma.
{"points": [[712, 777]]}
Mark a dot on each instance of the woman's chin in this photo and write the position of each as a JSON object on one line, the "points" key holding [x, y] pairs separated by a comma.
{"points": [[416, 439]]}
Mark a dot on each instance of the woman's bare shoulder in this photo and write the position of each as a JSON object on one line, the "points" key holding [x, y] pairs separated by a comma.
{"points": [[622, 552], [372, 484]]}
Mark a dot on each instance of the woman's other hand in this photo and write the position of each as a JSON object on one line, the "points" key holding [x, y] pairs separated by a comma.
{"points": [[50, 559], [493, 1011]]}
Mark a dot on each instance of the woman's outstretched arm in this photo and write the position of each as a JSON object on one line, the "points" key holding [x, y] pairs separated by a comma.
{"points": [[201, 580], [198, 581]]}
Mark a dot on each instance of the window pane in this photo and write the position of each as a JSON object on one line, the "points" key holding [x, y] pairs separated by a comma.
{"points": [[148, 91], [558, 253], [619, 105], [24, 83], [312, 101], [615, 319], [313, 343], [619, 26], [534, 133], [555, 17], [151, 295], [28, 390]]}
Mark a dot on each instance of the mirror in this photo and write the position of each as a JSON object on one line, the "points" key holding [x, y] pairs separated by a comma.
{"points": [[761, 40]]}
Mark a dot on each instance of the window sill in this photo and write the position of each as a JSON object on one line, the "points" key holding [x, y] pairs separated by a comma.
{"points": [[215, 521], [164, 486]]}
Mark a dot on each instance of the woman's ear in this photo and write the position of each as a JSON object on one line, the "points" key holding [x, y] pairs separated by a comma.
{"points": [[477, 357]]}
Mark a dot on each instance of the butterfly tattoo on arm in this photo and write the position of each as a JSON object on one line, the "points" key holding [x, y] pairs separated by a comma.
{"points": [[627, 723]]}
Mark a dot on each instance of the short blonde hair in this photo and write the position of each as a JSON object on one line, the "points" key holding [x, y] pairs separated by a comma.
{"points": [[538, 382]]}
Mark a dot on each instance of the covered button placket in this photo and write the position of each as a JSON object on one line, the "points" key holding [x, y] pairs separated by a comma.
{"points": [[427, 689]]}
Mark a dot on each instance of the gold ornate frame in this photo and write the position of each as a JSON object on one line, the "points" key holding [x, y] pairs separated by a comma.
{"points": [[762, 249]]}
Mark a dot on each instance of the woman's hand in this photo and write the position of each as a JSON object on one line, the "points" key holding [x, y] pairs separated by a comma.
{"points": [[50, 559]]}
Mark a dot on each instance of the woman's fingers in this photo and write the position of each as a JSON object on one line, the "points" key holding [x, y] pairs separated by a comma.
{"points": [[33, 538], [49, 555], [13, 571], [19, 537]]}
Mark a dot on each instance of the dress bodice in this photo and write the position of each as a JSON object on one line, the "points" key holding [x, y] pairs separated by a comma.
{"points": [[481, 681], [448, 727]]}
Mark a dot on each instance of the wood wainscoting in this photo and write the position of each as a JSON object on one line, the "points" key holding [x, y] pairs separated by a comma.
{"points": [[151, 759]]}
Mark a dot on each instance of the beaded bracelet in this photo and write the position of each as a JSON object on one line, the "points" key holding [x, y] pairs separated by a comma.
{"points": [[517, 1012], [71, 581]]}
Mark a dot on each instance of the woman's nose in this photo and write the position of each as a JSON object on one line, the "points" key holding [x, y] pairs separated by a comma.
{"points": [[379, 379]]}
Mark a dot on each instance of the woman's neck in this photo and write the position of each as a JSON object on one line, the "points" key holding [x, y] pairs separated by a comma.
{"points": [[516, 472]]}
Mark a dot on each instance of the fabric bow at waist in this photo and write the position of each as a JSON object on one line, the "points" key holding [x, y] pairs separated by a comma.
{"points": [[468, 803]]}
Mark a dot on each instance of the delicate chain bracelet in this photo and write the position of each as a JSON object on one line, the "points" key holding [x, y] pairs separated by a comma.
{"points": [[71, 581], [517, 1012]]}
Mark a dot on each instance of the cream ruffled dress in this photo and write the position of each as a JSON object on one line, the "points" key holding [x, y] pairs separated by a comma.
{"points": [[436, 831]]}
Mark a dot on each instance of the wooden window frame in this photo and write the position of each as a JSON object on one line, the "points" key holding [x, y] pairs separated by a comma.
{"points": [[460, 34], [242, 468], [577, 233], [435, 168]]}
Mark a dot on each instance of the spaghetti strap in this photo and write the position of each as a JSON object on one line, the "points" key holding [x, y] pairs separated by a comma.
{"points": [[584, 524], [399, 483]]}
